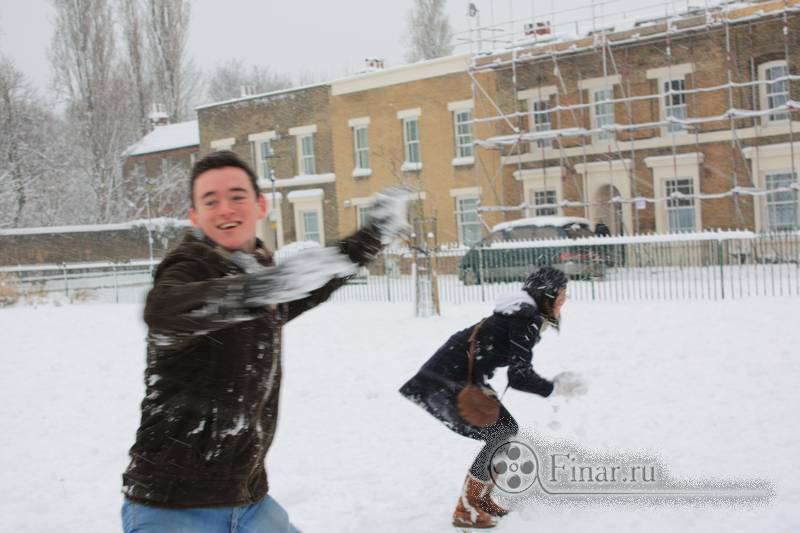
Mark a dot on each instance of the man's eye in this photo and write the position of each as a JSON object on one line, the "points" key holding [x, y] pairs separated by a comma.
{"points": [[239, 198], [211, 203]]}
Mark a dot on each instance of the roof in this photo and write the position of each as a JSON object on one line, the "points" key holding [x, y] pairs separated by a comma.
{"points": [[169, 137], [541, 222]]}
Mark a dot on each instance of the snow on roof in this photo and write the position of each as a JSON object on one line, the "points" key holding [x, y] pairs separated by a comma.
{"points": [[168, 137], [541, 222]]}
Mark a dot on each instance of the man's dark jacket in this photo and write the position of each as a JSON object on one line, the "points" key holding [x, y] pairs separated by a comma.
{"points": [[213, 378]]}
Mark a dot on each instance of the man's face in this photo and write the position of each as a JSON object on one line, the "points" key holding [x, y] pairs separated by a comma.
{"points": [[226, 208]]}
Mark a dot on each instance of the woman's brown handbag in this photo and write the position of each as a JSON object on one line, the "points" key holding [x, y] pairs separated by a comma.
{"points": [[477, 405]]}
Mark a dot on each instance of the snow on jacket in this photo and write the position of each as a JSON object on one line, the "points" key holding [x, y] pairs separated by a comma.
{"points": [[212, 381], [505, 339]]}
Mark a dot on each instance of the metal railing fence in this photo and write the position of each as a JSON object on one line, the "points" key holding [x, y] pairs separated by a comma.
{"points": [[700, 266]]}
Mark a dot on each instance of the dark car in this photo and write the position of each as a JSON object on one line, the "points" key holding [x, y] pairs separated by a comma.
{"points": [[513, 249]]}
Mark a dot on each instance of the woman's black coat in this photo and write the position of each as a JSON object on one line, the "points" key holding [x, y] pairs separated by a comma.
{"points": [[505, 339]]}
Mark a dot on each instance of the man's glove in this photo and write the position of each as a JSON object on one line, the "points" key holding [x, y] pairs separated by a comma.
{"points": [[569, 384], [295, 277], [389, 213], [362, 247]]}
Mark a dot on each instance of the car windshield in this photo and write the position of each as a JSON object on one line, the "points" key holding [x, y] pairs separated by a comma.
{"points": [[577, 231]]}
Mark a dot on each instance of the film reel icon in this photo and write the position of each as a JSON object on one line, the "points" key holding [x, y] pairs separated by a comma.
{"points": [[514, 467]]}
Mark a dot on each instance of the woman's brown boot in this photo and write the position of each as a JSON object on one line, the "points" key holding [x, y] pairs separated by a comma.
{"points": [[469, 510], [489, 505]]}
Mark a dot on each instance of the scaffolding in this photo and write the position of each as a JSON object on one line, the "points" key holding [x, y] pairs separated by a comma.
{"points": [[566, 131]]}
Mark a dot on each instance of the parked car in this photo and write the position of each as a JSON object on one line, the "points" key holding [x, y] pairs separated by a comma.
{"points": [[513, 249]]}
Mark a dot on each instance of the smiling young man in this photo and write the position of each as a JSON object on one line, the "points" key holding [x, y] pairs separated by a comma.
{"points": [[213, 374]]}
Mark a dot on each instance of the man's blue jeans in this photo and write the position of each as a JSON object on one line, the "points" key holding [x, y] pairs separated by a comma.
{"points": [[265, 516]]}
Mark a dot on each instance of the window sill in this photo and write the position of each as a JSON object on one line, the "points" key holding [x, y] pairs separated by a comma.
{"points": [[362, 172], [463, 161], [411, 167]]}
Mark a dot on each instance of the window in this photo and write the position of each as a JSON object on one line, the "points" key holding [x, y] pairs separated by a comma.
{"points": [[776, 92], [469, 225], [540, 116], [675, 104], [307, 163], [311, 226], [264, 157], [680, 211], [782, 207], [411, 140], [463, 129], [362, 216], [603, 113], [545, 197], [361, 143]]}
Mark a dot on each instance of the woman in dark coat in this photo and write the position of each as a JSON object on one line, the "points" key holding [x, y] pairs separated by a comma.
{"points": [[504, 339]]}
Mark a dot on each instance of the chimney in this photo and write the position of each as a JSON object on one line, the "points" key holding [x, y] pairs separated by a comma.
{"points": [[372, 63], [538, 28], [158, 116]]}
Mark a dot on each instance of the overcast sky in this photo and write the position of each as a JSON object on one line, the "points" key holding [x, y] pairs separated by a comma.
{"points": [[323, 37]]}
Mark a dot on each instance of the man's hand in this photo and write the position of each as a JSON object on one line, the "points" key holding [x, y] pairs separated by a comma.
{"points": [[569, 384], [296, 276]]}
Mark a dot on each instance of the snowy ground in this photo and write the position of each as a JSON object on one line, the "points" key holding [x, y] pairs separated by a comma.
{"points": [[709, 386]]}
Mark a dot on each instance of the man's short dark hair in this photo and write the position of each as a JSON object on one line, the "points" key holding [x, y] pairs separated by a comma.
{"points": [[221, 159]]}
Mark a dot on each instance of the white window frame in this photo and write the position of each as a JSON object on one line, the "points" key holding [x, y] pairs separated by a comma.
{"points": [[461, 195], [406, 116], [463, 141], [305, 161], [534, 97], [259, 140], [680, 205], [536, 179], [770, 159], [593, 86], [306, 201], [605, 136], [781, 117], [536, 194], [362, 206], [361, 151], [664, 75], [681, 166], [792, 199], [303, 213]]}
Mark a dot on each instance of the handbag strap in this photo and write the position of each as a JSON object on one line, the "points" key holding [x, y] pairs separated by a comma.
{"points": [[471, 351]]}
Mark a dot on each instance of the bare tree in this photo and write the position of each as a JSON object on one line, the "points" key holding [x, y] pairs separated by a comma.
{"points": [[176, 78], [96, 95], [38, 184], [429, 34], [134, 35], [229, 79]]}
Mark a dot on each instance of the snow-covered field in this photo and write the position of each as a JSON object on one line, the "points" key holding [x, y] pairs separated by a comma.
{"points": [[711, 387]]}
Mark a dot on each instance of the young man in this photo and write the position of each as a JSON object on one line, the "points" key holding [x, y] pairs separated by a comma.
{"points": [[213, 374]]}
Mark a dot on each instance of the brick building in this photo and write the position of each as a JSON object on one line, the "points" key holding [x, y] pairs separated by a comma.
{"points": [[678, 124], [413, 125], [156, 170], [286, 137]]}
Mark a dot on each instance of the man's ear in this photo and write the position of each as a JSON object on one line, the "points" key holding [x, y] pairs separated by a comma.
{"points": [[262, 206], [193, 217]]}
